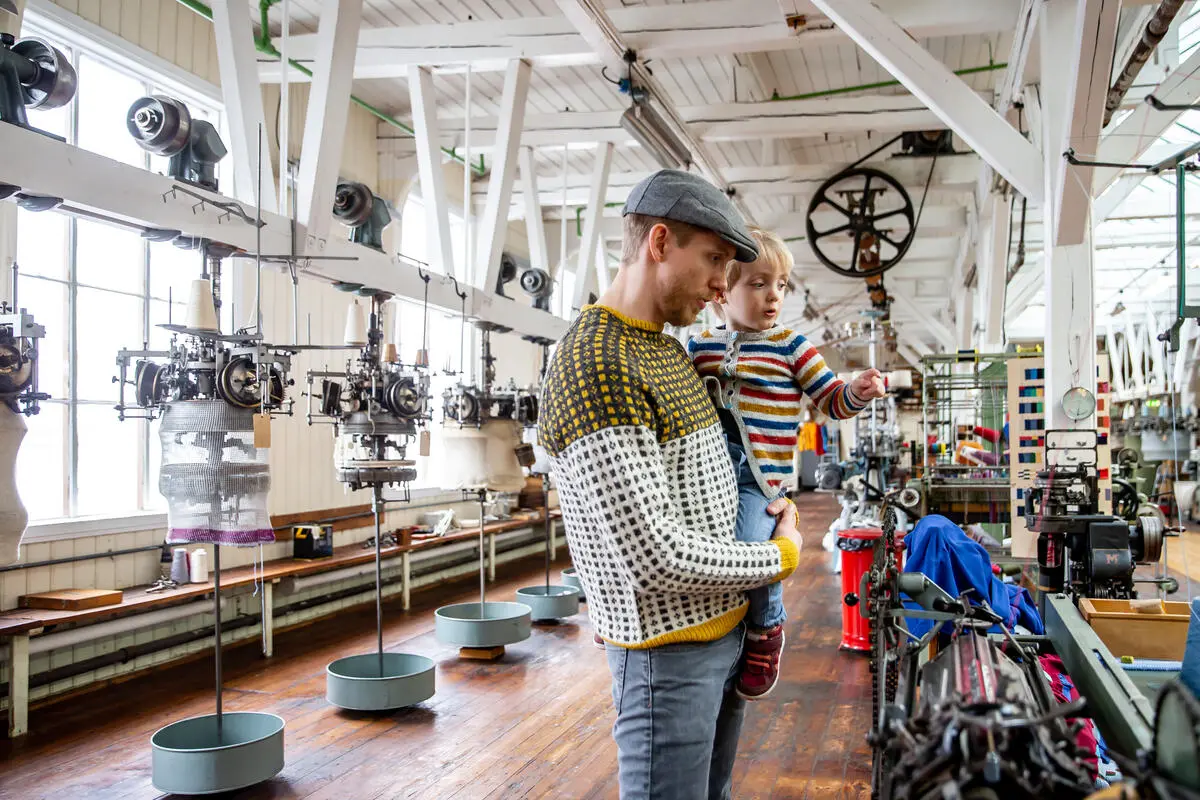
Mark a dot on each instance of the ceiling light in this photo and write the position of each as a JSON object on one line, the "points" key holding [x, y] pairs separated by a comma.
{"points": [[1117, 309], [655, 136]]}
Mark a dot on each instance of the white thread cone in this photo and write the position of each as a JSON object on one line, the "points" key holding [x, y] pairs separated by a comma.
{"points": [[201, 313], [356, 325]]}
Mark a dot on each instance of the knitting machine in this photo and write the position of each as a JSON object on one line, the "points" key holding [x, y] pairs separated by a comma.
{"points": [[977, 720], [1080, 550], [19, 335], [33, 74], [376, 404], [471, 405]]}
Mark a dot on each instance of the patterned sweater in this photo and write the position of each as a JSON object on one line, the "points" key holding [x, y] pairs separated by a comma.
{"points": [[646, 487], [761, 376]]}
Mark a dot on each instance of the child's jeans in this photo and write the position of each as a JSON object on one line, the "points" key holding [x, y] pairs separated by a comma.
{"points": [[754, 524]]}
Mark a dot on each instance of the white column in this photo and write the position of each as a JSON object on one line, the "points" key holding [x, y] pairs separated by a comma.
{"points": [[325, 122], [593, 215], [993, 271], [535, 229], [494, 222], [429, 168]]}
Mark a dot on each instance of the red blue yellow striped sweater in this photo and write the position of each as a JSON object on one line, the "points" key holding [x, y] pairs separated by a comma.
{"points": [[761, 376]]}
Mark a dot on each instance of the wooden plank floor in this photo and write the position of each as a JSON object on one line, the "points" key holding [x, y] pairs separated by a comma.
{"points": [[536, 724]]}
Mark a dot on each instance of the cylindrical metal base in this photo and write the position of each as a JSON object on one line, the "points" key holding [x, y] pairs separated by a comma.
{"points": [[482, 624], [188, 757], [354, 682], [550, 602], [571, 578]]}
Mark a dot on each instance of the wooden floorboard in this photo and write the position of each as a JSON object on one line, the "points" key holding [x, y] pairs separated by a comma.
{"points": [[536, 724]]}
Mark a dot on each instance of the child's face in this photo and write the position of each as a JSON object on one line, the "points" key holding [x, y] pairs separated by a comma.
{"points": [[754, 302]]}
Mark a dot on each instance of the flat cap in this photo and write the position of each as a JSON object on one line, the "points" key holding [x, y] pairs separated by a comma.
{"points": [[685, 197]]}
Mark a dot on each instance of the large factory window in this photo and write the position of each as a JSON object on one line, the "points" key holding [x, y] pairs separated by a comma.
{"points": [[96, 288], [414, 238]]}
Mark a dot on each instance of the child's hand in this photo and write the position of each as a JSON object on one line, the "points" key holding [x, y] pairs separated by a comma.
{"points": [[869, 385]]}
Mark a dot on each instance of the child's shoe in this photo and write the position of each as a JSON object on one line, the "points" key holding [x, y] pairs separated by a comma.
{"points": [[760, 663]]}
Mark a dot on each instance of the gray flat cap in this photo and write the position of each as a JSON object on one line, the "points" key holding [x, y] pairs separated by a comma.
{"points": [[684, 197]]}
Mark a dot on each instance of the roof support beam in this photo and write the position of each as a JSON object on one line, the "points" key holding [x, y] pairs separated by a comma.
{"points": [[941, 333], [947, 95], [591, 225], [238, 68], [431, 177], [535, 229], [1018, 55], [494, 222], [325, 123], [993, 270]]}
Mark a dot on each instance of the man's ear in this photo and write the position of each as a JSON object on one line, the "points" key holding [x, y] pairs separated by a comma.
{"points": [[659, 240]]}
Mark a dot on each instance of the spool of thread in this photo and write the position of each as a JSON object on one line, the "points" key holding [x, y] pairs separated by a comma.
{"points": [[356, 325], [198, 565], [389, 353], [179, 565], [201, 312], [422, 358]]}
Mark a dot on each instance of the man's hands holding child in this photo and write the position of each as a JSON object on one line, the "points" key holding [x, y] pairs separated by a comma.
{"points": [[785, 515], [868, 385]]}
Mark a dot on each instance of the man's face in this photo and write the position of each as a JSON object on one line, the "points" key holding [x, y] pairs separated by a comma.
{"points": [[688, 276]]}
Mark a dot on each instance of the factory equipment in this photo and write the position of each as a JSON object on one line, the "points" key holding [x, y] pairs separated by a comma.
{"points": [[363, 212], [869, 209], [33, 74], [377, 407], [164, 126], [1080, 550]]}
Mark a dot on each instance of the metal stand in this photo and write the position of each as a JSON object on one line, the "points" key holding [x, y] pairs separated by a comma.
{"points": [[550, 603]]}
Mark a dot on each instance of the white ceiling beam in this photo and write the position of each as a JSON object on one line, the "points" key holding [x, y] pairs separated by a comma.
{"points": [[1116, 360], [591, 226], [905, 301], [1018, 56], [493, 225], [993, 270], [1130, 139], [237, 65], [325, 122], [535, 229], [430, 174], [908, 354], [717, 27], [955, 103], [1087, 80]]}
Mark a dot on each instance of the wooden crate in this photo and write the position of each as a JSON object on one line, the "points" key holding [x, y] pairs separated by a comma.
{"points": [[1127, 632], [71, 599]]}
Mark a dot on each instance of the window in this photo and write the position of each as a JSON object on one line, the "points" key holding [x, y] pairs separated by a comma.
{"points": [[414, 236], [96, 288]]}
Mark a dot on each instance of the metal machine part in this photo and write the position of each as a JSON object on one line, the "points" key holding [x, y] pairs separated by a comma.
{"points": [[163, 125], [1080, 550], [363, 212], [538, 284], [474, 405], [878, 218], [33, 74], [19, 335]]}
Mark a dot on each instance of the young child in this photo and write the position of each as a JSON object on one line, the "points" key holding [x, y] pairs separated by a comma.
{"points": [[755, 371]]}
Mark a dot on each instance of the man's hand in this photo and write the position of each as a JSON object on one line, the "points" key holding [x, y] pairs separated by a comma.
{"points": [[784, 511], [869, 385]]}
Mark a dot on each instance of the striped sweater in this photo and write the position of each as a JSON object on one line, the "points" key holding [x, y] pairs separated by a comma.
{"points": [[647, 492], [761, 376]]}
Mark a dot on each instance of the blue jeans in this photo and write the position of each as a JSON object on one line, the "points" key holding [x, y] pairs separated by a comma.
{"points": [[678, 718], [754, 524]]}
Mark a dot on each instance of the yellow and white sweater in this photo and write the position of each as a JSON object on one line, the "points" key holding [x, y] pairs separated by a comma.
{"points": [[646, 486]]}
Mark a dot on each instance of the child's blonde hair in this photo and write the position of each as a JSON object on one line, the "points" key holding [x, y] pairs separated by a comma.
{"points": [[772, 251]]}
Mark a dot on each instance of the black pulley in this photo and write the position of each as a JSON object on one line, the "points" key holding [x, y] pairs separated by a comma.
{"points": [[16, 371], [238, 384], [159, 124], [352, 203], [331, 398], [403, 398], [50, 81], [147, 384], [463, 407], [871, 212], [527, 409]]}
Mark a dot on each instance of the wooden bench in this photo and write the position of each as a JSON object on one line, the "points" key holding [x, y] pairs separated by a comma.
{"points": [[19, 625]]}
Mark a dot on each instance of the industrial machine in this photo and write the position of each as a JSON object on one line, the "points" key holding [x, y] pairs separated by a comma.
{"points": [[19, 335], [164, 126], [1080, 550], [33, 74], [472, 405], [363, 212]]}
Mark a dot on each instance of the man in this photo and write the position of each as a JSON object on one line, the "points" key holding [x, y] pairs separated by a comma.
{"points": [[649, 498]]}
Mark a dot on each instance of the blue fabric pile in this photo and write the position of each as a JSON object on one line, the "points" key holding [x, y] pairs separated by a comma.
{"points": [[948, 557]]}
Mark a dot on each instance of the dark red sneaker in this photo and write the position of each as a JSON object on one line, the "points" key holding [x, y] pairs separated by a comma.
{"points": [[760, 663], [597, 641]]}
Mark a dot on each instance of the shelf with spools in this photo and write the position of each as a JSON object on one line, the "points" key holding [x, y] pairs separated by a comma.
{"points": [[482, 436], [375, 405]]}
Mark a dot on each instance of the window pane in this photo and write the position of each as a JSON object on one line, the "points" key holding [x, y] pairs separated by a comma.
{"points": [[172, 270], [47, 301], [109, 257], [107, 322], [108, 463], [104, 98], [412, 231], [152, 499], [41, 243], [160, 339], [41, 471]]}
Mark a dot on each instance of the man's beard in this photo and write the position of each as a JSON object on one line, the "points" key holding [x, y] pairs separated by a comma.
{"points": [[678, 306]]}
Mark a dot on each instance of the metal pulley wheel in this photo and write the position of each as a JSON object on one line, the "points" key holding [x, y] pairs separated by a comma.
{"points": [[1153, 528], [148, 387], [352, 204], [16, 371], [527, 408], [536, 282], [871, 211], [54, 80], [331, 398], [404, 399], [238, 384], [159, 124], [463, 407]]}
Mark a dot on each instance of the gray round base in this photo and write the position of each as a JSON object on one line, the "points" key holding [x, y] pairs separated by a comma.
{"points": [[571, 578], [482, 625], [189, 758], [550, 602], [354, 682]]}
